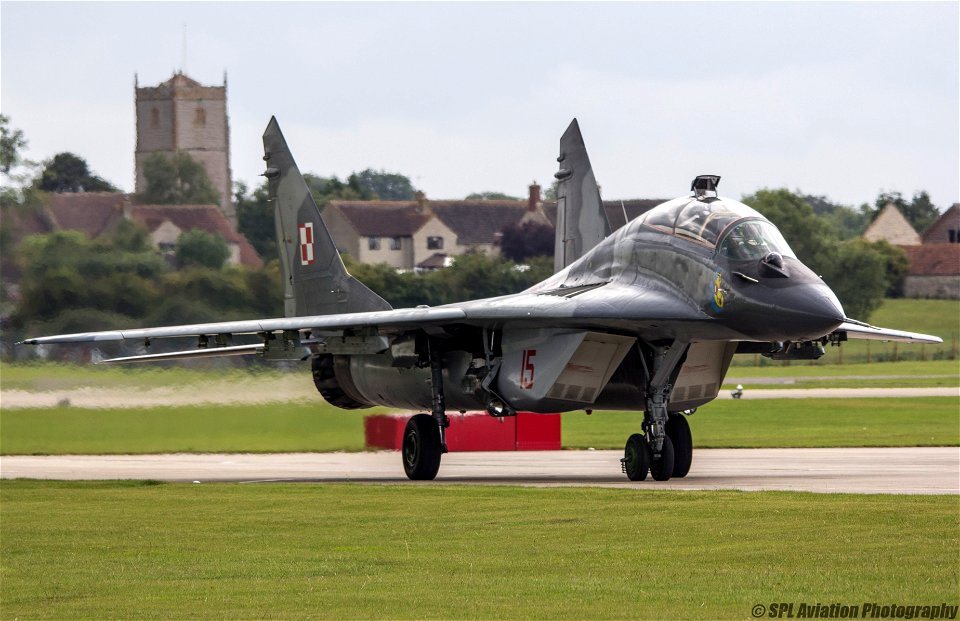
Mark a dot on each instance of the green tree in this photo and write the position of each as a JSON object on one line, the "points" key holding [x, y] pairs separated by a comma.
{"points": [[919, 211], [64, 270], [197, 248], [491, 196], [858, 275], [67, 172], [12, 143], [897, 267], [255, 218], [326, 189], [847, 222], [177, 180], [383, 185]]}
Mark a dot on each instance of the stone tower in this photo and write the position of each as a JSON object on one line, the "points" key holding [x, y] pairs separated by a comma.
{"points": [[183, 115]]}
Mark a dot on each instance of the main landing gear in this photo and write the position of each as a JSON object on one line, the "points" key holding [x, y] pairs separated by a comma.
{"points": [[676, 453], [424, 438], [665, 449]]}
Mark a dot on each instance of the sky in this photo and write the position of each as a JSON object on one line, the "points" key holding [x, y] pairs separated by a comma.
{"points": [[843, 100]]}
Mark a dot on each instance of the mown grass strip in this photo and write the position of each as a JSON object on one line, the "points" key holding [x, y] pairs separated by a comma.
{"points": [[122, 550], [776, 423], [296, 427]]}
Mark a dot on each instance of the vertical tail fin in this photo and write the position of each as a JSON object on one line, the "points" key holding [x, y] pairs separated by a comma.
{"points": [[581, 221], [315, 279]]}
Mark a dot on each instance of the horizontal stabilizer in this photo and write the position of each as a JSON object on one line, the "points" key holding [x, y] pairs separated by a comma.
{"points": [[212, 352], [858, 330]]}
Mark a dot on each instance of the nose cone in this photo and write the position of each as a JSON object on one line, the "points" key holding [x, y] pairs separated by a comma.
{"points": [[812, 310]]}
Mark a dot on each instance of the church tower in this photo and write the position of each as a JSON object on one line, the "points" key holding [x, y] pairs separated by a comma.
{"points": [[183, 115]]}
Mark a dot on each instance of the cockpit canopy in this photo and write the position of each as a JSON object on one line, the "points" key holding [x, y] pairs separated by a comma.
{"points": [[738, 231]]}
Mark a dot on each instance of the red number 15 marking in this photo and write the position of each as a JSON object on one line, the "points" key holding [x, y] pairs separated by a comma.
{"points": [[526, 369]]}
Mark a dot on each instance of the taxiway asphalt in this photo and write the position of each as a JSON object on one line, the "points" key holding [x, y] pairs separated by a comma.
{"points": [[915, 470]]}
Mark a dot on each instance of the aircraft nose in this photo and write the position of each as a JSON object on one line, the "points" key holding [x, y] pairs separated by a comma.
{"points": [[815, 309]]}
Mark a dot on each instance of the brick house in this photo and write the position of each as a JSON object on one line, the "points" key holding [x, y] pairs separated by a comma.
{"points": [[946, 230]]}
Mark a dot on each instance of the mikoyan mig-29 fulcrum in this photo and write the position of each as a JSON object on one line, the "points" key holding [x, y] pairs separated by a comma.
{"points": [[646, 318]]}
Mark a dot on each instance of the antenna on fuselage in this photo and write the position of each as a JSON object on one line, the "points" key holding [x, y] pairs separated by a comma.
{"points": [[705, 183]]}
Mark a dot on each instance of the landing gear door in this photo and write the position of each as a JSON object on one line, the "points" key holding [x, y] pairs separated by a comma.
{"points": [[547, 364]]}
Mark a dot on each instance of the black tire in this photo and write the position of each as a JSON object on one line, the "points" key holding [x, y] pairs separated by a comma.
{"points": [[662, 469], [636, 458], [678, 430], [421, 448]]}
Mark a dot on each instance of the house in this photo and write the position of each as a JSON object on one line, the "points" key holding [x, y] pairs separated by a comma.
{"points": [[98, 213], [166, 223], [422, 233], [946, 230], [890, 225]]}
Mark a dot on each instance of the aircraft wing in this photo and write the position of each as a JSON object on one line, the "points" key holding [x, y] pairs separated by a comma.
{"points": [[602, 305], [391, 318], [859, 330]]}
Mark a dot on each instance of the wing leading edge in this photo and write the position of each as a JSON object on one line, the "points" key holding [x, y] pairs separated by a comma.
{"points": [[858, 330]]}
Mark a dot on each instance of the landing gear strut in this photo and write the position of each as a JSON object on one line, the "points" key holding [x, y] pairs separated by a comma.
{"points": [[424, 438], [665, 448]]}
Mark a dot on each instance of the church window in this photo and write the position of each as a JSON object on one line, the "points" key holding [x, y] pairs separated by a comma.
{"points": [[200, 118], [155, 118]]}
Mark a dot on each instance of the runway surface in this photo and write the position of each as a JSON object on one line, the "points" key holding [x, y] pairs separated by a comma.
{"points": [[928, 470]]}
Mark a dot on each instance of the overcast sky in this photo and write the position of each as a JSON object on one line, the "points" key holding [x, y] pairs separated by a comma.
{"points": [[836, 99]]}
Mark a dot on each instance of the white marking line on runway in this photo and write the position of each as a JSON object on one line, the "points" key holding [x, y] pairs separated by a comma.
{"points": [[918, 470]]}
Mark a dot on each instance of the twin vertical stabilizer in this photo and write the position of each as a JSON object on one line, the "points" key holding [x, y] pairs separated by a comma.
{"points": [[315, 279], [581, 220]]}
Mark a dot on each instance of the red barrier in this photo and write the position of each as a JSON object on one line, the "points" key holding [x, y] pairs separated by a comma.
{"points": [[474, 431]]}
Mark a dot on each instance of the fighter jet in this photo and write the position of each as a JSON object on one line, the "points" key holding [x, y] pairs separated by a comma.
{"points": [[646, 318]]}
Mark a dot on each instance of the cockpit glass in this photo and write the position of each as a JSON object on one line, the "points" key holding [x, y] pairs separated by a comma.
{"points": [[703, 221], [754, 239]]}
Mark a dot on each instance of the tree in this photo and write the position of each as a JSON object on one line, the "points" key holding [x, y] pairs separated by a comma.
{"points": [[326, 189], [491, 196], [255, 218], [858, 276], [383, 185], [530, 239], [197, 248], [67, 172], [177, 180], [12, 143], [919, 212], [846, 222]]}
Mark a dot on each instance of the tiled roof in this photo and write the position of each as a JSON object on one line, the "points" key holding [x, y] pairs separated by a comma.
{"points": [[208, 218], [382, 218], [93, 213], [614, 209], [478, 221], [934, 259]]}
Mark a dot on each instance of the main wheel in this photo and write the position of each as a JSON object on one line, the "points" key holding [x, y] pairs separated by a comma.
{"points": [[421, 448], [636, 458], [661, 469], [678, 430]]}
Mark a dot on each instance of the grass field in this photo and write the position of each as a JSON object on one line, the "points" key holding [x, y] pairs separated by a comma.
{"points": [[126, 550], [319, 427], [775, 423]]}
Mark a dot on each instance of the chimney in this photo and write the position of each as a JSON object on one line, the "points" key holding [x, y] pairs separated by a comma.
{"points": [[534, 198], [421, 198]]}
